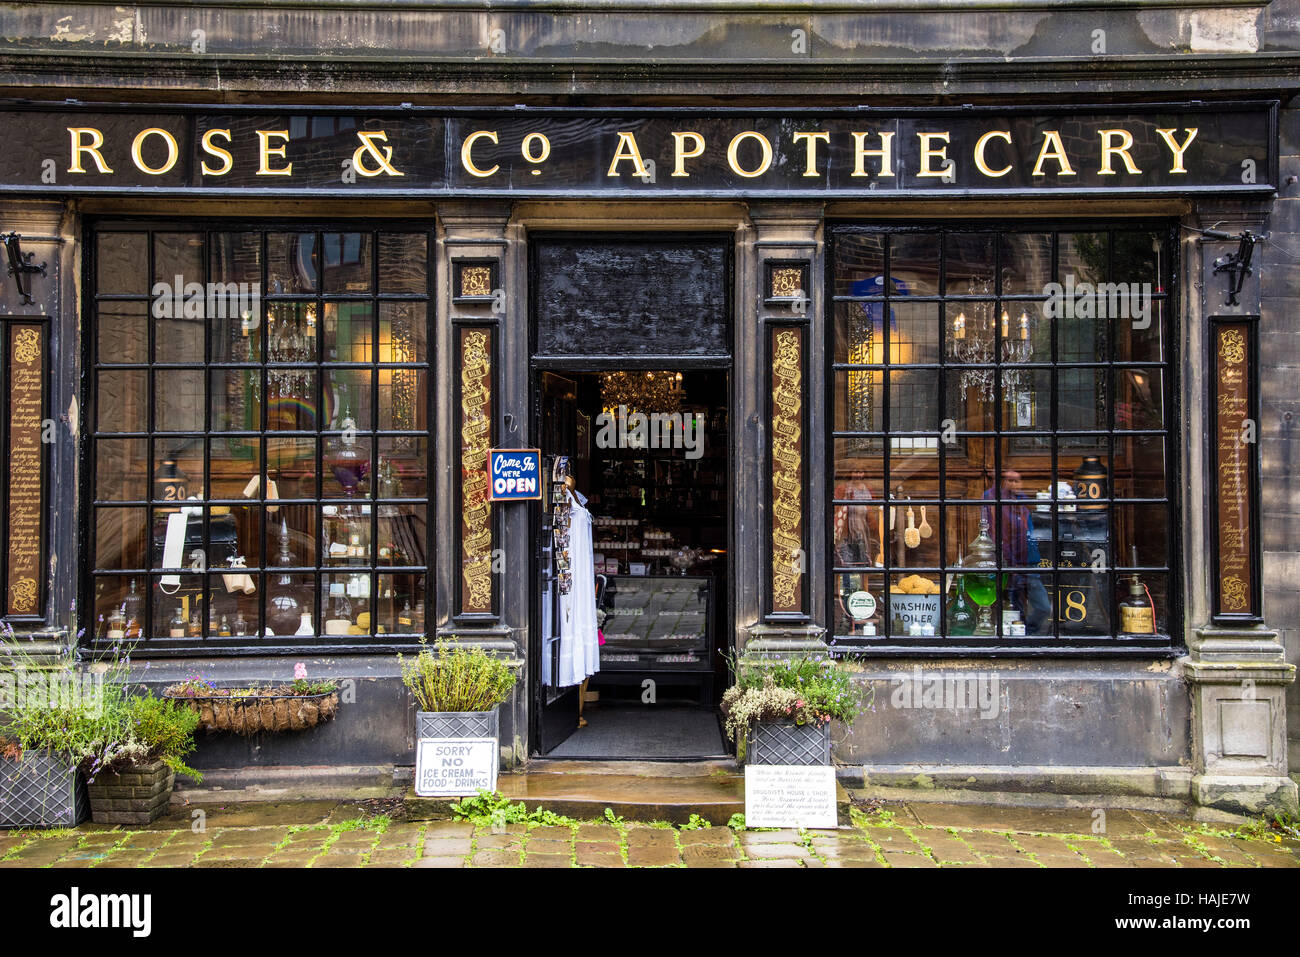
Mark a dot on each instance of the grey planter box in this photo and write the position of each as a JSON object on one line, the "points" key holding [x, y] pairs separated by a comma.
{"points": [[788, 743], [458, 724], [42, 789], [138, 796]]}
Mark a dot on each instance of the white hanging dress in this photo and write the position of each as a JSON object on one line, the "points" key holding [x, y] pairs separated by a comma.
{"points": [[579, 639]]}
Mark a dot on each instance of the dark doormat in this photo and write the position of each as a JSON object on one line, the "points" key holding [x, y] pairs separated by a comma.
{"points": [[645, 732]]}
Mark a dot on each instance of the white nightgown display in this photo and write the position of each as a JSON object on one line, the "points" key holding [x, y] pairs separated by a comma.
{"points": [[579, 654]]}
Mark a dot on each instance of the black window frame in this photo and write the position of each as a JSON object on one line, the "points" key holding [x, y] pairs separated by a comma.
{"points": [[1168, 642], [252, 644]]}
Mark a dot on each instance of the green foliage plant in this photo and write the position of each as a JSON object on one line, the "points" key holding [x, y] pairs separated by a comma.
{"points": [[114, 729], [457, 678], [805, 690]]}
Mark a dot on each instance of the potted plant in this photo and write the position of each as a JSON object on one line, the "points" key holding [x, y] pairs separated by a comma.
{"points": [[53, 719], [132, 769], [457, 690], [781, 713], [294, 706]]}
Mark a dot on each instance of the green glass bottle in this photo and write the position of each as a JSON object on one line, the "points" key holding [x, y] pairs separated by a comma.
{"points": [[961, 617]]}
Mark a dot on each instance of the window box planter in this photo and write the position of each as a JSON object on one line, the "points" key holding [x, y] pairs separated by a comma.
{"points": [[41, 789], [255, 713], [135, 796], [784, 742]]}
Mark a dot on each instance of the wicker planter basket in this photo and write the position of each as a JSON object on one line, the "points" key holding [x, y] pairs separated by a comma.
{"points": [[135, 796], [257, 713], [784, 742], [41, 789]]}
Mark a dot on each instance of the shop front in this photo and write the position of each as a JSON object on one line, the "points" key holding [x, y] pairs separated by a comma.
{"points": [[961, 397]]}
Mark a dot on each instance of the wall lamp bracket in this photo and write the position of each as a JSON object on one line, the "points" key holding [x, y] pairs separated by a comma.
{"points": [[21, 265], [1236, 265]]}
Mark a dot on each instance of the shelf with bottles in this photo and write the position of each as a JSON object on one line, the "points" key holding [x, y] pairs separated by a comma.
{"points": [[345, 533], [229, 603], [983, 600]]}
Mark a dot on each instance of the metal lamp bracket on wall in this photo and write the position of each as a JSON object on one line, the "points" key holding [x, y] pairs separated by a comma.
{"points": [[21, 265], [1236, 265]]}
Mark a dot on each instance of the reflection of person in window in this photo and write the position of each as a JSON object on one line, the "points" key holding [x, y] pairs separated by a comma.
{"points": [[1020, 550], [854, 544]]}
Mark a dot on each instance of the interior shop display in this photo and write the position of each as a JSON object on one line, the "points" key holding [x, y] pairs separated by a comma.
{"points": [[263, 473], [963, 396], [653, 464]]}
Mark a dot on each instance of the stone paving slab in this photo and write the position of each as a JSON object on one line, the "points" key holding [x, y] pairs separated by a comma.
{"points": [[339, 834], [1032, 820]]}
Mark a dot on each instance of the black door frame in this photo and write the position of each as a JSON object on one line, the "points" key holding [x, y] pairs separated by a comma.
{"points": [[572, 365]]}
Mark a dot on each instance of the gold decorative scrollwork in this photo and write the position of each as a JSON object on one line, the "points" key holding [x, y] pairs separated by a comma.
{"points": [[475, 434], [1232, 346], [1234, 594], [27, 346], [23, 596], [787, 469]]}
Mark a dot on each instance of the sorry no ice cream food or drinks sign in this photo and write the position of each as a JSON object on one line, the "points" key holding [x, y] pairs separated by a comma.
{"points": [[445, 767]]}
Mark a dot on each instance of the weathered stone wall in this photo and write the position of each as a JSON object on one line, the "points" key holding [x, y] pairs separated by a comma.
{"points": [[1280, 416], [1011, 712]]}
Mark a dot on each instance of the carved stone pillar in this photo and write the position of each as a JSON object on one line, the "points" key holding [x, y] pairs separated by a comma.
{"points": [[783, 325], [1236, 667]]}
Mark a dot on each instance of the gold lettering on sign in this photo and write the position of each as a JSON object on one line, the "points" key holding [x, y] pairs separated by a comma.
{"points": [[266, 151], [374, 146], [1053, 149], [681, 153], [733, 151], [1232, 453], [787, 469], [137, 147], [93, 148], [217, 152], [1109, 150], [628, 151], [810, 145], [475, 438], [466, 153], [981, 163], [929, 154], [885, 154], [26, 468], [1178, 149]]}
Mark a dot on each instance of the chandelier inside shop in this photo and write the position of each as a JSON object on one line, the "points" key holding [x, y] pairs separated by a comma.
{"points": [[650, 391], [974, 334], [975, 341], [291, 340]]}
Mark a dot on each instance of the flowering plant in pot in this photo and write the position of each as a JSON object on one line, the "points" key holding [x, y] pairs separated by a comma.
{"points": [[293, 706], [132, 768], [66, 727], [781, 713], [458, 690], [50, 721]]}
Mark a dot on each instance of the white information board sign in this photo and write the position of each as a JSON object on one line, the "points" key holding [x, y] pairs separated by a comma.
{"points": [[447, 767], [788, 795]]}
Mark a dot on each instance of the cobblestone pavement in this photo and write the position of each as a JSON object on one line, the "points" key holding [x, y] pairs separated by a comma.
{"points": [[344, 834]]}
